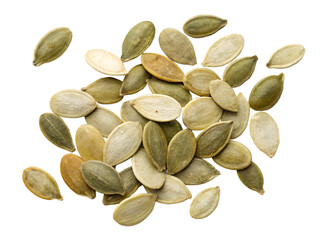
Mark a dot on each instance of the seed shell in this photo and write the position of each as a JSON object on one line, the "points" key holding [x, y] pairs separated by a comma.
{"points": [[170, 129], [224, 95], [252, 178], [130, 114]]}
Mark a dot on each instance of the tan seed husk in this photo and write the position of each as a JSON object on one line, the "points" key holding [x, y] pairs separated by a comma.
{"points": [[224, 95], [130, 114], [170, 129], [41, 183], [252, 178]]}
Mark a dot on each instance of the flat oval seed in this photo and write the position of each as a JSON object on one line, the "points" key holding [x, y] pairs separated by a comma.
{"points": [[170, 129], [238, 72], [264, 133], [205, 203], [135, 209], [105, 90], [223, 51], [122, 143], [89, 143], [137, 40], [286, 56], [252, 178], [199, 171], [177, 46], [157, 107], [145, 171], [200, 113], [70, 168], [181, 150], [105, 62], [266, 93], [198, 80], [56, 131], [234, 156], [41, 183], [223, 95], [174, 90], [102, 177], [162, 67], [130, 114], [52, 45], [72, 103], [203, 25]]}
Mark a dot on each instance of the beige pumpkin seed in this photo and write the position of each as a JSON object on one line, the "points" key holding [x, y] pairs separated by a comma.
{"points": [[224, 95], [286, 56], [105, 90], [234, 156], [224, 51], [104, 120], [137, 40], [135, 209], [162, 67], [173, 191], [70, 168], [130, 114], [102, 177], [240, 119], [264, 133], [203, 25], [177, 46], [174, 90], [170, 129], [200, 113], [145, 171], [122, 143], [105, 62], [181, 150], [266, 93], [52, 45], [198, 81], [72, 103], [238, 72], [205, 203], [56, 131], [252, 178], [213, 139], [199, 171], [41, 183], [157, 107]]}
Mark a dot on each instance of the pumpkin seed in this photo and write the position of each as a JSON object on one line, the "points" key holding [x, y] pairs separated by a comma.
{"points": [[200, 113], [52, 45], [252, 178], [135, 209], [162, 67], [203, 25], [224, 51], [266, 93], [137, 40], [213, 139], [170, 129], [70, 168], [286, 56], [199, 171], [181, 150], [129, 113], [105, 90], [264, 133], [41, 183], [238, 72], [223, 95], [145, 171], [205, 203], [56, 131], [105, 62], [102, 177], [240, 119], [177, 46], [174, 90], [122, 143], [72, 103]]}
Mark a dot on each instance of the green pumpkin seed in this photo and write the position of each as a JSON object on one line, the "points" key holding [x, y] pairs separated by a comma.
{"points": [[137, 40], [252, 178], [170, 129], [177, 46], [52, 45], [238, 72], [130, 114], [56, 131], [224, 95], [266, 93]]}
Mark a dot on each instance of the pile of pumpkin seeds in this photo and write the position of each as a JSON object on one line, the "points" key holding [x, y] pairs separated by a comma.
{"points": [[165, 157]]}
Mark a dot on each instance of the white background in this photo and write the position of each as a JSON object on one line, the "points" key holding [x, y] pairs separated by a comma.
{"points": [[289, 209]]}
